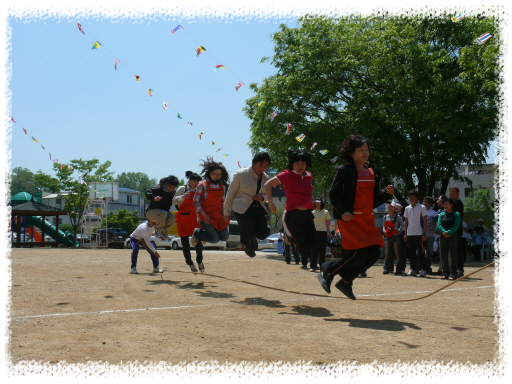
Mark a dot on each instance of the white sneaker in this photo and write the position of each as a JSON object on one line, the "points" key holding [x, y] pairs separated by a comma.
{"points": [[193, 268], [157, 270], [411, 272], [134, 271], [423, 273]]}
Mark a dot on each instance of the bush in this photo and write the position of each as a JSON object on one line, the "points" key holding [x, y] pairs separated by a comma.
{"points": [[123, 219]]}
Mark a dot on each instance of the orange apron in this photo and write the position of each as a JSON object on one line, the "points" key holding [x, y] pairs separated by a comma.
{"points": [[187, 217], [361, 232], [212, 205]]}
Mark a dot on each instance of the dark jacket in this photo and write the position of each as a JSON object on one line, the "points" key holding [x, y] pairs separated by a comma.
{"points": [[160, 190], [343, 190], [458, 206]]}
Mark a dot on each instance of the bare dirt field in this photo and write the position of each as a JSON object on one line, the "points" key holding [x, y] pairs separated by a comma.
{"points": [[83, 305]]}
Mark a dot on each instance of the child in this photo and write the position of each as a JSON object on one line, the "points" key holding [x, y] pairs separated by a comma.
{"points": [[141, 237]]}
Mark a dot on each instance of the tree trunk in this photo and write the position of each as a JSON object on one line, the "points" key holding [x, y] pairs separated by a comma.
{"points": [[444, 186]]}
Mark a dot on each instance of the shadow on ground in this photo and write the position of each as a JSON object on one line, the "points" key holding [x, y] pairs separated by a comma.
{"points": [[380, 325]]}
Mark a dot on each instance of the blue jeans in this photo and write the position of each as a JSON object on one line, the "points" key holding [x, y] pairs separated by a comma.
{"points": [[209, 234], [429, 248]]}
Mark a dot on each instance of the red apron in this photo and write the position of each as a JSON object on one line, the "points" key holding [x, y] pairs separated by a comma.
{"points": [[361, 232], [187, 217], [212, 205], [389, 228]]}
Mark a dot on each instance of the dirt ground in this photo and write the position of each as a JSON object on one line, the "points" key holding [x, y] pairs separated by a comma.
{"points": [[83, 305]]}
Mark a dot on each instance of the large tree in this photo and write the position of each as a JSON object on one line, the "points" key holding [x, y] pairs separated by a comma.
{"points": [[23, 180], [137, 181], [418, 87], [73, 191]]}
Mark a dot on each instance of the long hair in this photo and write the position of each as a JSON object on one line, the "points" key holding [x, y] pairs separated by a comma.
{"points": [[322, 205], [209, 166], [192, 176]]}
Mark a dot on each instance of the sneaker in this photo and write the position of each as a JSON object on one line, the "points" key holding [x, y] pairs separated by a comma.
{"points": [[444, 277], [411, 272], [157, 270], [346, 289], [288, 262], [385, 272], [193, 268], [201, 267], [364, 274], [304, 267], [255, 244], [459, 273], [454, 277], [398, 273], [326, 285], [194, 240], [423, 273], [297, 262], [134, 271], [249, 251], [312, 269]]}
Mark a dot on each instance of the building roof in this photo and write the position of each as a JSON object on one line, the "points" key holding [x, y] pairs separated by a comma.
{"points": [[21, 196], [34, 208], [128, 190]]}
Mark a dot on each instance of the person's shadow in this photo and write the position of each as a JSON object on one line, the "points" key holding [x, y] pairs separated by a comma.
{"points": [[380, 325]]}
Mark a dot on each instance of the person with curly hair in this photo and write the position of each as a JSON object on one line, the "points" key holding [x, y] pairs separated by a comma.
{"points": [[298, 219], [160, 197], [187, 218], [354, 193], [209, 205]]}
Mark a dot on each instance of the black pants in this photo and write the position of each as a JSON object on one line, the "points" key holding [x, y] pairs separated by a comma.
{"points": [[253, 224], [136, 244], [301, 226], [288, 248], [461, 258], [352, 263], [318, 255], [186, 251], [416, 253]]}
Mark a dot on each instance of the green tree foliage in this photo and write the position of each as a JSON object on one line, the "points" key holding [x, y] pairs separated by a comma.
{"points": [[479, 200], [123, 219], [23, 180], [138, 181], [418, 87], [66, 184], [65, 227]]}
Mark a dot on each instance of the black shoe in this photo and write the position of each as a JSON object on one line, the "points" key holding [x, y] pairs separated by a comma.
{"points": [[297, 262], [326, 285], [385, 272], [363, 275], [304, 267], [346, 289], [249, 251], [288, 262], [254, 244]]}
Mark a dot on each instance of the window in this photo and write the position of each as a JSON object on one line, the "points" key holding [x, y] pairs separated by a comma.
{"points": [[129, 198], [58, 201]]}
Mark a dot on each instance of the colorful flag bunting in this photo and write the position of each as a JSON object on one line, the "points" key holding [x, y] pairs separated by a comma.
{"points": [[239, 166], [274, 114], [459, 16], [176, 29], [63, 165], [80, 28], [333, 160], [300, 137], [201, 134], [115, 64], [42, 146], [25, 131], [313, 146], [199, 50], [137, 78], [35, 141], [179, 116], [237, 87], [55, 161], [288, 126], [70, 167], [188, 122], [324, 151], [12, 119], [217, 67], [149, 92], [260, 101], [226, 155], [218, 150], [164, 106], [96, 45], [213, 143], [482, 39]]}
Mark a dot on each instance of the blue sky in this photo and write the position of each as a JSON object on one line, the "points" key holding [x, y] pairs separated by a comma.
{"points": [[76, 105]]}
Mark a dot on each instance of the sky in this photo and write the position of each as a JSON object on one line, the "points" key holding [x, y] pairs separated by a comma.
{"points": [[76, 105]]}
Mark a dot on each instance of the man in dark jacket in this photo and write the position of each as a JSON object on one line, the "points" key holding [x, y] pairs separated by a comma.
{"points": [[160, 197]]}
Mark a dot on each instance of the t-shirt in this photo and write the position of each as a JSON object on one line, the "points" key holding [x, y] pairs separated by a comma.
{"points": [[320, 217], [414, 216], [431, 223], [298, 189], [144, 231]]}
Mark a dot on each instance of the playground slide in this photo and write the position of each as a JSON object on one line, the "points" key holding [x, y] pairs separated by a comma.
{"points": [[35, 234], [50, 230]]}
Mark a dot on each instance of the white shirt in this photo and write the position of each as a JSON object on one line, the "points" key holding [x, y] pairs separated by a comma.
{"points": [[320, 218], [414, 216], [144, 231]]}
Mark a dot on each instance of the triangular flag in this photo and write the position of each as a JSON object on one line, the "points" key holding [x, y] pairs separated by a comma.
{"points": [[96, 45], [179, 116], [137, 78], [149, 92]]}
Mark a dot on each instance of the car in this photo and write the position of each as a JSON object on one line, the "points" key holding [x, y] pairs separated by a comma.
{"points": [[82, 238], [176, 244], [233, 240], [116, 237], [156, 240], [269, 243]]}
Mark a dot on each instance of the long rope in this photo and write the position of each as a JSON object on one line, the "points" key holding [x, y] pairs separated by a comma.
{"points": [[343, 297]]}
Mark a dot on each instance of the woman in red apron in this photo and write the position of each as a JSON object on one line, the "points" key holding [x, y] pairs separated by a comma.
{"points": [[354, 193], [186, 218], [209, 204]]}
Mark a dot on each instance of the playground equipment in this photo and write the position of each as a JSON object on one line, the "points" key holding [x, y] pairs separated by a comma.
{"points": [[49, 229]]}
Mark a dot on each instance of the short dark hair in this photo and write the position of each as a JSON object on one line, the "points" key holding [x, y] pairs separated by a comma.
{"points": [[173, 180], [350, 144], [192, 176], [322, 205], [448, 199], [295, 155], [414, 192], [442, 197], [429, 198], [261, 156]]}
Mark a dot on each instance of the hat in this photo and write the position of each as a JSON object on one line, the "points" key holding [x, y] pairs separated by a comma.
{"points": [[314, 201], [482, 220], [396, 204]]}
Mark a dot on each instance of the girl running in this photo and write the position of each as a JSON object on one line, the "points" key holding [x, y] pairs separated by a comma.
{"points": [[186, 218], [354, 194]]}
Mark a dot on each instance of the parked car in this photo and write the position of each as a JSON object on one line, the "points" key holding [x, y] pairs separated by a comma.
{"points": [[233, 240], [269, 243], [82, 239], [156, 240], [176, 244], [116, 237]]}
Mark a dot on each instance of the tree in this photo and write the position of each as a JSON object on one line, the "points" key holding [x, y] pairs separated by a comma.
{"points": [[23, 180], [479, 200], [138, 181], [122, 219], [418, 87], [73, 192]]}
